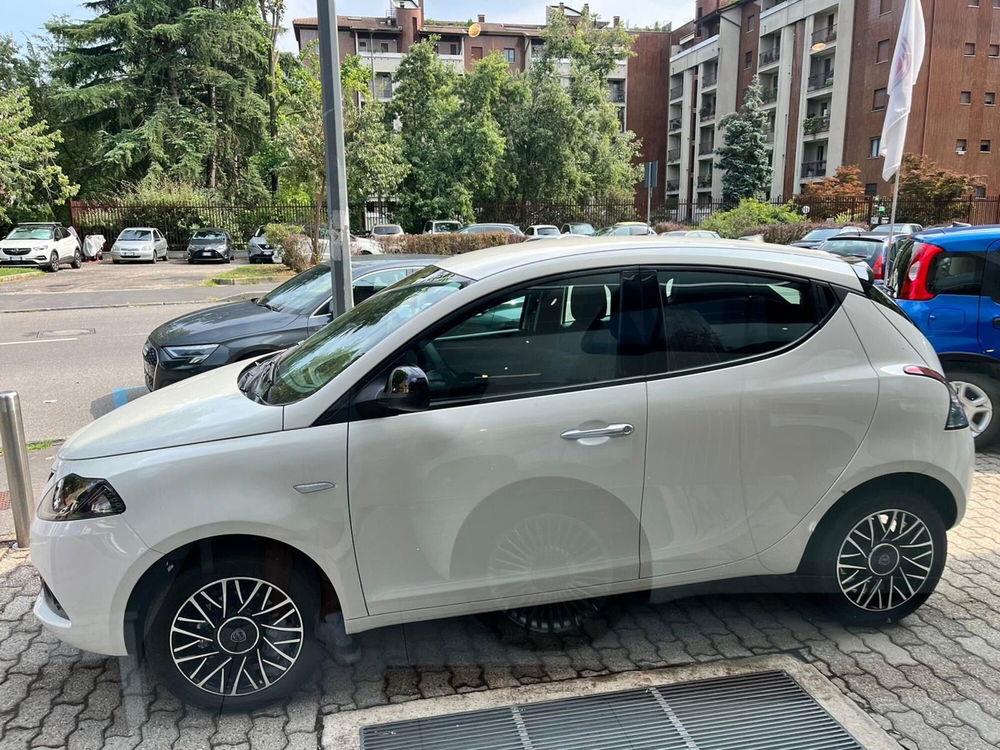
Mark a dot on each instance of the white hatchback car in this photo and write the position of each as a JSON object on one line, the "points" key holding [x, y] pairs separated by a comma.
{"points": [[41, 244], [504, 431], [139, 243]]}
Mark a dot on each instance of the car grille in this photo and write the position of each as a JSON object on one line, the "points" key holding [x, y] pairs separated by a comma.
{"points": [[17, 250], [149, 353]]}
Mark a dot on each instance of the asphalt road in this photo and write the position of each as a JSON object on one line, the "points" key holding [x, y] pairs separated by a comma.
{"points": [[72, 366]]}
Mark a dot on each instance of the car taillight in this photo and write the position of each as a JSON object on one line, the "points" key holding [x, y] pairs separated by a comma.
{"points": [[915, 281], [957, 418], [878, 266]]}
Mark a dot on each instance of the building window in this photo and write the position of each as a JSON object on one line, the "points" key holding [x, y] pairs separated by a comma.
{"points": [[960, 146], [996, 3], [751, 22], [748, 60], [383, 85], [477, 53], [970, 49], [879, 100], [362, 45], [984, 147], [882, 52], [965, 97], [453, 47], [995, 50], [991, 96], [973, 3], [981, 189], [885, 6], [508, 54], [383, 46], [871, 188], [874, 144]]}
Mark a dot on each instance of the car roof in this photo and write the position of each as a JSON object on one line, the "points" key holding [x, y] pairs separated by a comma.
{"points": [[209, 229], [143, 229], [367, 263], [39, 223], [658, 250], [960, 238], [868, 237], [631, 224], [539, 226]]}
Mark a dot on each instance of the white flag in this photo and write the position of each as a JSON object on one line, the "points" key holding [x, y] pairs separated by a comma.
{"points": [[906, 60]]}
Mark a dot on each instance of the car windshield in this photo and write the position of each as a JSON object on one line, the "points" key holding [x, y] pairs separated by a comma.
{"points": [[603, 232], [822, 234], [209, 234], [546, 230], [304, 369], [135, 235], [386, 230], [581, 229], [867, 249], [891, 229], [300, 294], [259, 232], [447, 226], [31, 233]]}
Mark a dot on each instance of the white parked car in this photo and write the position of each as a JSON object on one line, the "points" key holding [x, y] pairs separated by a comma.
{"points": [[41, 244], [703, 234], [386, 230], [504, 431], [139, 243], [542, 230]]}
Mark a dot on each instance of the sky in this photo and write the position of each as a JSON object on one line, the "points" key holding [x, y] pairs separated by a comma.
{"points": [[23, 19]]}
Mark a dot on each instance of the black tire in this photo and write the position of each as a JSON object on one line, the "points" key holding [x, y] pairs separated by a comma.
{"points": [[865, 595], [991, 389], [191, 261], [54, 262], [77, 259], [154, 258], [115, 261], [239, 637]]}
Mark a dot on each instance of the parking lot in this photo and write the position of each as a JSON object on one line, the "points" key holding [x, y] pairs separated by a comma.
{"points": [[931, 681]]}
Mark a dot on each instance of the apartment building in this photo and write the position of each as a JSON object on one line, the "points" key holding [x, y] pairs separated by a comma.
{"points": [[634, 86], [824, 67]]}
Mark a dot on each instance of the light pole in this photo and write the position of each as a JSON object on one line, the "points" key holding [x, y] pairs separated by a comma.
{"points": [[338, 222]]}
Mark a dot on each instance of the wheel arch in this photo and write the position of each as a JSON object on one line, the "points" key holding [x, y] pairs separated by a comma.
{"points": [[970, 361], [153, 584], [927, 487]]}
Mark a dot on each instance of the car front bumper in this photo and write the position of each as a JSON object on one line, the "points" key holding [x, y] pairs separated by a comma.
{"points": [[207, 254], [88, 569], [160, 370], [33, 260], [127, 255]]}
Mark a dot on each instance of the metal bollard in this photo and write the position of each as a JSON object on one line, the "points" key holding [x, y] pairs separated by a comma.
{"points": [[15, 456]]}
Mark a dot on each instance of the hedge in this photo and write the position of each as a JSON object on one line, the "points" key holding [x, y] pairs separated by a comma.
{"points": [[446, 244]]}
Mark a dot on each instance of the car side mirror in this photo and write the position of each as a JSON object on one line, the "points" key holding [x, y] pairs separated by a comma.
{"points": [[406, 390]]}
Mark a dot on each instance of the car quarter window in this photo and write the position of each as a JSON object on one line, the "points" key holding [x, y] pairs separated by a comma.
{"points": [[956, 273], [574, 331], [711, 317]]}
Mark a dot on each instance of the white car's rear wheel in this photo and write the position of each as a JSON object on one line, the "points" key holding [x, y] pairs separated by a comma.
{"points": [[234, 638]]}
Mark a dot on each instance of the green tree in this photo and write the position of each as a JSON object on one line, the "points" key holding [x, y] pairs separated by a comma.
{"points": [[30, 178], [172, 88], [746, 171], [426, 104], [272, 13], [930, 194]]}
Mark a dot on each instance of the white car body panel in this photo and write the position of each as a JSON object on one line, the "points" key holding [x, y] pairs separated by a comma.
{"points": [[154, 247], [730, 472]]}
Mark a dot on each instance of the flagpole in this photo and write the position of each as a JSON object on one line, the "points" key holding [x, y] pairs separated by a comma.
{"points": [[890, 264]]}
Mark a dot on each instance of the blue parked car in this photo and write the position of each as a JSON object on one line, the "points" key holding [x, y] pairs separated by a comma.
{"points": [[948, 282]]}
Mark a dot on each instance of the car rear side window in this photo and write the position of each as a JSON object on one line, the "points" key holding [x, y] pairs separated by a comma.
{"points": [[956, 273], [714, 317]]}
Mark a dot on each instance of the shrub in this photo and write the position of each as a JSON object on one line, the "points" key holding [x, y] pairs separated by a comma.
{"points": [[668, 226], [295, 244], [784, 234], [447, 244], [749, 216]]}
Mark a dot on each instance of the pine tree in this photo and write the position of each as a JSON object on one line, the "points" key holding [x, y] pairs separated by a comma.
{"points": [[743, 159], [173, 88]]}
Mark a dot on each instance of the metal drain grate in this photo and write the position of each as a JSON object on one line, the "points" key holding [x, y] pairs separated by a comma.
{"points": [[765, 711]]}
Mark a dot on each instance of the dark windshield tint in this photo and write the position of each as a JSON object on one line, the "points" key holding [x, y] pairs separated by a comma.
{"points": [[852, 247], [303, 293], [304, 369]]}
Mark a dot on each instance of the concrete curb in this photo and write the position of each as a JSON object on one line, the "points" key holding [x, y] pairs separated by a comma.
{"points": [[343, 730], [21, 277], [246, 281]]}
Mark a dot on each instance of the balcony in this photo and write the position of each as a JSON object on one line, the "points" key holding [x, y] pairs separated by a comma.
{"points": [[706, 148], [769, 57], [705, 180], [816, 124], [709, 79], [820, 81], [677, 91], [825, 35], [769, 96], [616, 95], [673, 186], [706, 113], [674, 124], [673, 155], [814, 169]]}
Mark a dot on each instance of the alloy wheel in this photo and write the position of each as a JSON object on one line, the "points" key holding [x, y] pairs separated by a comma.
{"points": [[977, 404], [885, 560], [236, 636]]}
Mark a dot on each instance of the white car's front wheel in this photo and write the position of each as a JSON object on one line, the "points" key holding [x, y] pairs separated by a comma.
{"points": [[235, 638]]}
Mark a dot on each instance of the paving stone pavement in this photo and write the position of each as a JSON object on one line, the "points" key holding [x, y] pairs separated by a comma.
{"points": [[932, 681]]}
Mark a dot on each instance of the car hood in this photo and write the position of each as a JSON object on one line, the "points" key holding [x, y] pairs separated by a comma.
{"points": [[24, 243], [207, 242], [219, 324], [197, 410], [133, 244]]}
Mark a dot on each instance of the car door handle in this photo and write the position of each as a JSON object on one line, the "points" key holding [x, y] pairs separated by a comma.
{"points": [[612, 430], [308, 489]]}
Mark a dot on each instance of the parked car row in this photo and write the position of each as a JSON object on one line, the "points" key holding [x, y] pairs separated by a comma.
{"points": [[525, 432]]}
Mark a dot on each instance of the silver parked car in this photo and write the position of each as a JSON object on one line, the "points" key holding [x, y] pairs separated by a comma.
{"points": [[139, 243]]}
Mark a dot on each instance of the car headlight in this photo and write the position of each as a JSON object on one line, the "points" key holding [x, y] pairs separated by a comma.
{"points": [[40, 248], [74, 498], [192, 354]]}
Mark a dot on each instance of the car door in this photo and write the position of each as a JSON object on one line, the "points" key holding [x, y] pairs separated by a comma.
{"points": [[989, 303], [524, 476], [65, 243], [764, 397]]}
